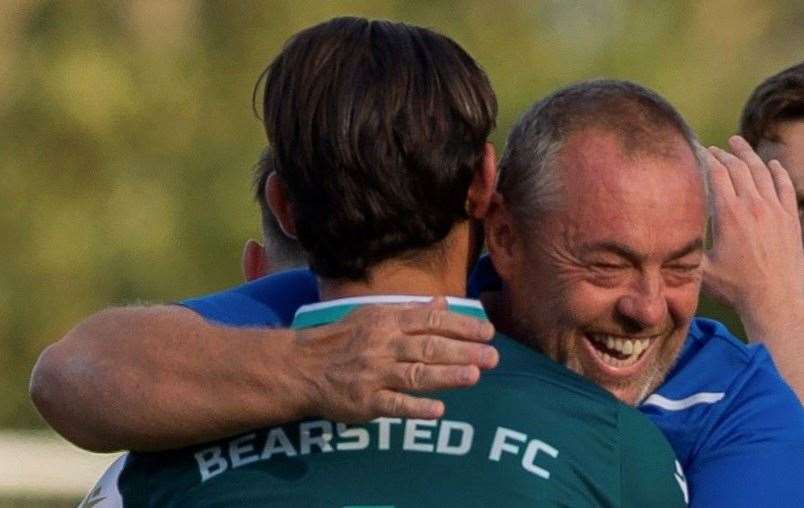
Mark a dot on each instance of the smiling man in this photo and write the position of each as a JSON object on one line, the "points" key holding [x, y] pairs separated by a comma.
{"points": [[603, 264], [598, 239]]}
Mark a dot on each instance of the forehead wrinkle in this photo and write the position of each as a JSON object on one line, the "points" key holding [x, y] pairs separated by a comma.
{"points": [[613, 247], [595, 173]]}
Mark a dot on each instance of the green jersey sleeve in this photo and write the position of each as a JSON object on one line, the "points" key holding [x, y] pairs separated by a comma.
{"points": [[651, 475]]}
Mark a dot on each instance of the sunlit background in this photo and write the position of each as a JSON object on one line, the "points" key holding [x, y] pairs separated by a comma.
{"points": [[128, 138]]}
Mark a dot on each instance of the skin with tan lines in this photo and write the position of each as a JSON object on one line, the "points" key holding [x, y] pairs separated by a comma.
{"points": [[616, 270]]}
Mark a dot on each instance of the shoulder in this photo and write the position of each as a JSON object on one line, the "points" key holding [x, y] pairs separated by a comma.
{"points": [[594, 426], [268, 301], [648, 479], [724, 393], [714, 364], [520, 361], [529, 374], [712, 360]]}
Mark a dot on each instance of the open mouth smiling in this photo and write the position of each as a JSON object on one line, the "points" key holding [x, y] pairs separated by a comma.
{"points": [[619, 352]]}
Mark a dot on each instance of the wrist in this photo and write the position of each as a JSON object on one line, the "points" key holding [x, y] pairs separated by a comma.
{"points": [[265, 390], [301, 371], [768, 321]]}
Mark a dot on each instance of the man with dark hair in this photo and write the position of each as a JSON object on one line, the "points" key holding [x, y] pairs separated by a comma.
{"points": [[386, 210], [773, 108]]}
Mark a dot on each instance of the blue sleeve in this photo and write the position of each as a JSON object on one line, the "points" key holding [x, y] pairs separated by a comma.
{"points": [[268, 301], [755, 453]]}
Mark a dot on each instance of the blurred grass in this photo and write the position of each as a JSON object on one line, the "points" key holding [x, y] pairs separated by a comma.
{"points": [[127, 132], [36, 502]]}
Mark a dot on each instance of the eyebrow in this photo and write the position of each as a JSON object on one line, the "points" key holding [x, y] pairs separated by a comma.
{"points": [[631, 255]]}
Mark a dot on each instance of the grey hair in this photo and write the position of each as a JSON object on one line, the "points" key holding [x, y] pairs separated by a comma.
{"points": [[284, 252], [529, 171]]}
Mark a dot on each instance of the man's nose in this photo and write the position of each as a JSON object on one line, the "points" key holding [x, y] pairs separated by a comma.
{"points": [[644, 304]]}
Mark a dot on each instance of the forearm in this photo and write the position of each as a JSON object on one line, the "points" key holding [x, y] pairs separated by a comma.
{"points": [[161, 377], [782, 332]]}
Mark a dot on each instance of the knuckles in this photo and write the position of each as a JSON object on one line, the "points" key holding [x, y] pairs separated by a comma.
{"points": [[429, 349], [414, 376], [434, 319]]}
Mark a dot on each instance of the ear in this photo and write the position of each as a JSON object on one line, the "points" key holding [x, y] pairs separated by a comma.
{"points": [[276, 194], [255, 261], [502, 238], [484, 180]]}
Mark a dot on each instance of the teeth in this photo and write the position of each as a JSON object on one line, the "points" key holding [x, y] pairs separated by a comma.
{"points": [[629, 347], [616, 362]]}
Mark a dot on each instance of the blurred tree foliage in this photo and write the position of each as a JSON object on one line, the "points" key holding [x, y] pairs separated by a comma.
{"points": [[128, 133]]}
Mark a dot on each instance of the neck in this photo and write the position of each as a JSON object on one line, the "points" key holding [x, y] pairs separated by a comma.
{"points": [[441, 271], [498, 306]]}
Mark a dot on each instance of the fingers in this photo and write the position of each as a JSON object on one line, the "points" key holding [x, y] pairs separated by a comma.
{"points": [[433, 349], [399, 405], [420, 377], [435, 319], [384, 352], [741, 178], [719, 180], [784, 186], [749, 176], [763, 181]]}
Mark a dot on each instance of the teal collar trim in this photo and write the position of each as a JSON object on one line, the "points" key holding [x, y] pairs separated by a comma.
{"points": [[334, 310]]}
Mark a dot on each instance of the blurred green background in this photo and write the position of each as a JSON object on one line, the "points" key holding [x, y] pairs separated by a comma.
{"points": [[128, 136]]}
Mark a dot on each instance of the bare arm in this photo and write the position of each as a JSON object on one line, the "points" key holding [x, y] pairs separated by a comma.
{"points": [[149, 378], [757, 262]]}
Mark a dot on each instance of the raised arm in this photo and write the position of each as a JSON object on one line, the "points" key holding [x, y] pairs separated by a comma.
{"points": [[757, 262], [149, 378]]}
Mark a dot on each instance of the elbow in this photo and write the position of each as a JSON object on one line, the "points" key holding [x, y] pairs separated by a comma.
{"points": [[46, 382], [55, 392]]}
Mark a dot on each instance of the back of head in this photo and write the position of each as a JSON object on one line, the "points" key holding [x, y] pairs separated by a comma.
{"points": [[642, 121], [377, 128], [779, 98]]}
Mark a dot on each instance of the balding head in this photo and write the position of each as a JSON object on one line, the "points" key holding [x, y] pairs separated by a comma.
{"points": [[642, 122]]}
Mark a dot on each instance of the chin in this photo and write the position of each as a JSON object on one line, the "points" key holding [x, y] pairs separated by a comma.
{"points": [[631, 395], [634, 392]]}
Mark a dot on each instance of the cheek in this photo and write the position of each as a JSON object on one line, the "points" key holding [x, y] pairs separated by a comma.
{"points": [[682, 302], [586, 303]]}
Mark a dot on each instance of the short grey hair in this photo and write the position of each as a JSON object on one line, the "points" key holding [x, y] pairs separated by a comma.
{"points": [[529, 174], [284, 252]]}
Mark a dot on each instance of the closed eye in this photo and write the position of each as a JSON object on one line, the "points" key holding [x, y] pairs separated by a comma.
{"points": [[684, 267], [609, 266]]}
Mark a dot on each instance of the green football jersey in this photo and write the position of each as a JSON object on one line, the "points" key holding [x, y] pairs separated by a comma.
{"points": [[530, 433]]}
